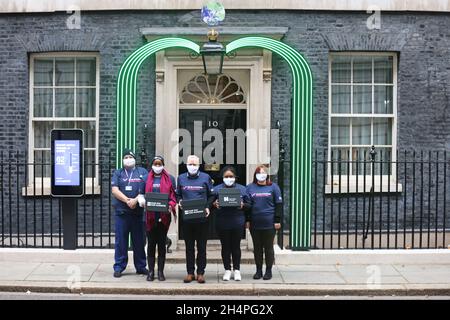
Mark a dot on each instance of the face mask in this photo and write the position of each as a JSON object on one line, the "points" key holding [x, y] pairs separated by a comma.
{"points": [[192, 169], [229, 181], [261, 177], [129, 162], [157, 170]]}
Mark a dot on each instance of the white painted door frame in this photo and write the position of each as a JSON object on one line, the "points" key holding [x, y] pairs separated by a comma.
{"points": [[167, 108]]}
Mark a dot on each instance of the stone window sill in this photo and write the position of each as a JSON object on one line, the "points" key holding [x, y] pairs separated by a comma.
{"points": [[354, 188]]}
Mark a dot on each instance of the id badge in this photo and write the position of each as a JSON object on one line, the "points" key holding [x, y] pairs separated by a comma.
{"points": [[128, 188]]}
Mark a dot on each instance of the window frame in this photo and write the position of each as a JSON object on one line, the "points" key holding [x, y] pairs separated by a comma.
{"points": [[37, 186], [387, 181]]}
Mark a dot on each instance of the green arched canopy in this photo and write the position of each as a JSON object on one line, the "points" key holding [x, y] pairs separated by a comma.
{"points": [[127, 89], [301, 119]]}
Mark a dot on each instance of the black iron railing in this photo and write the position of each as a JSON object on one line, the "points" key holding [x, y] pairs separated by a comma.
{"points": [[365, 200], [380, 200], [30, 217]]}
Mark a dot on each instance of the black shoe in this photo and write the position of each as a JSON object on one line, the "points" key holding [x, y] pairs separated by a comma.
{"points": [[151, 276], [117, 274], [161, 276], [268, 274], [143, 271], [258, 275]]}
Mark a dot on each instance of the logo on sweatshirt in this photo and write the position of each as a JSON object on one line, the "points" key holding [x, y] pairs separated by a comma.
{"points": [[261, 194], [193, 188]]}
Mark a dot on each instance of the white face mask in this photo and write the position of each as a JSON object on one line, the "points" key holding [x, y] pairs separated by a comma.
{"points": [[129, 162], [229, 181], [261, 177], [192, 169], [157, 169]]}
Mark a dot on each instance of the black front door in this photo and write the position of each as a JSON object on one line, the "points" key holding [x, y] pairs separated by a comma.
{"points": [[221, 119]]}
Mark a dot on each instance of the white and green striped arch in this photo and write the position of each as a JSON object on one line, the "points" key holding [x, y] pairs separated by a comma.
{"points": [[301, 119]]}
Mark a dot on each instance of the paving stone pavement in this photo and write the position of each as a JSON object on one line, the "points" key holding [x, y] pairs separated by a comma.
{"points": [[97, 277]]}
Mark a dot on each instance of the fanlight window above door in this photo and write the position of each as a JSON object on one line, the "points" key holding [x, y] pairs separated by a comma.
{"points": [[212, 89]]}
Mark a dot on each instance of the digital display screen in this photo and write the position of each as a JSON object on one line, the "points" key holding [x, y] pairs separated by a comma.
{"points": [[67, 162]]}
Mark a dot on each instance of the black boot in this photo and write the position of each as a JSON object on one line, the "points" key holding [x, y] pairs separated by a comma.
{"points": [[258, 275], [161, 276], [268, 274], [161, 263], [151, 269]]}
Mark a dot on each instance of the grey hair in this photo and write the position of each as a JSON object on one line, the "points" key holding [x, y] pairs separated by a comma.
{"points": [[193, 156]]}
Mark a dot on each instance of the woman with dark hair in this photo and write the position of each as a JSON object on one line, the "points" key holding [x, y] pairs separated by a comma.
{"points": [[230, 223], [265, 218], [157, 223]]}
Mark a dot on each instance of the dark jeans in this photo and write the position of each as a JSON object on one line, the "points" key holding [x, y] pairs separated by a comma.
{"points": [[231, 247], [157, 236], [263, 243], [195, 233]]}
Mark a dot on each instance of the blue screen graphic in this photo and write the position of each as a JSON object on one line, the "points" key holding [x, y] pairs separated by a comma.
{"points": [[67, 162]]}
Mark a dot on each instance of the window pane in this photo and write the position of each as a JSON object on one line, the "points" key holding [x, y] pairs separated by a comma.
{"points": [[64, 72], [42, 163], [383, 96], [64, 125], [86, 71], [340, 99], [383, 166], [340, 131], [361, 164], [362, 99], [360, 131], [339, 157], [89, 133], [362, 69], [42, 134], [43, 103], [382, 131], [89, 163], [85, 102], [64, 102], [341, 69], [43, 72], [383, 69]]}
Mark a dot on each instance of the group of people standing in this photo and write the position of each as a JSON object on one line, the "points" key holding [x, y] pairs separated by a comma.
{"points": [[259, 210]]}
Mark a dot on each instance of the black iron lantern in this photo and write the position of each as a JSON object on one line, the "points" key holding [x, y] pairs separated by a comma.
{"points": [[212, 54]]}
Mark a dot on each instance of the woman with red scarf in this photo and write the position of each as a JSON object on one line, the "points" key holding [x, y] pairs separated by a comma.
{"points": [[157, 223]]}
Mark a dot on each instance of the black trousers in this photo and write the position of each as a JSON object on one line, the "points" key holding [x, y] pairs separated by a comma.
{"points": [[263, 245], [195, 233], [231, 247], [156, 237]]}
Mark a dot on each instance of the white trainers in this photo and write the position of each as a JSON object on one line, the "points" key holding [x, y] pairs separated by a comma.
{"points": [[227, 275], [237, 275]]}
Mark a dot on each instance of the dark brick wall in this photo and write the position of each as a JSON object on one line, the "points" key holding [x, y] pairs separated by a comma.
{"points": [[422, 41]]}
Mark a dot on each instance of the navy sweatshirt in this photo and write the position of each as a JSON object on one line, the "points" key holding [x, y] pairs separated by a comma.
{"points": [[228, 217], [264, 200], [192, 188]]}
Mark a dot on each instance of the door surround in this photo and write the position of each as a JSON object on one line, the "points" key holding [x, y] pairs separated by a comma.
{"points": [[167, 106]]}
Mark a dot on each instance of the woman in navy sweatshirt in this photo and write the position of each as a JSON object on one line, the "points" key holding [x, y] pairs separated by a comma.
{"points": [[265, 218], [230, 223]]}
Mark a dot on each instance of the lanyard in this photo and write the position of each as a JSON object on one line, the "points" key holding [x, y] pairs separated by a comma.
{"points": [[129, 177]]}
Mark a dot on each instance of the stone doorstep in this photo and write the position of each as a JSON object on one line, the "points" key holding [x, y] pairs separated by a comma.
{"points": [[234, 289]]}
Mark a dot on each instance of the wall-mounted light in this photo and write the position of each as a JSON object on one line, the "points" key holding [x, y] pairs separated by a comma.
{"points": [[212, 54]]}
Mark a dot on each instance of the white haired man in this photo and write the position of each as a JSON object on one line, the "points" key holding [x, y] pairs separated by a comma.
{"points": [[195, 185]]}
